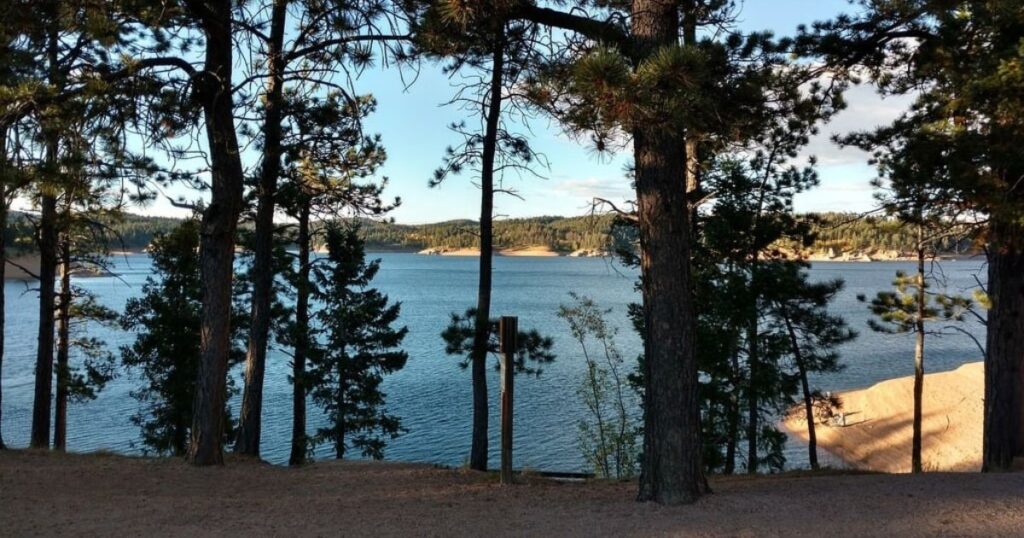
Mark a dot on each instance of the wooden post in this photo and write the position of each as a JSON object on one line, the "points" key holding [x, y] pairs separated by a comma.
{"points": [[508, 330]]}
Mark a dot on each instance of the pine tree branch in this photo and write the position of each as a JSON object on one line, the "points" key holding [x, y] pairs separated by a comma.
{"points": [[603, 31], [304, 51]]}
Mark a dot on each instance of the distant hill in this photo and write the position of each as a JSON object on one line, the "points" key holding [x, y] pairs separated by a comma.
{"points": [[559, 234], [841, 236], [132, 233]]}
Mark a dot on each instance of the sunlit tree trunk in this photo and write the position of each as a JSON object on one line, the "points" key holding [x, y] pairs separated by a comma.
{"points": [[60, 423], [915, 458]]}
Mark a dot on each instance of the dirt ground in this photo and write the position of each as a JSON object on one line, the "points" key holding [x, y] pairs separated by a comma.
{"points": [[91, 495]]}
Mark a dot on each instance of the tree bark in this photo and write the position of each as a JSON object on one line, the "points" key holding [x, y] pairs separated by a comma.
{"points": [[752, 389], [482, 328], [339, 428], [812, 437], [250, 416], [693, 179], [671, 472], [753, 366], [915, 450], [298, 453], [47, 258], [4, 186], [60, 423], [734, 416], [1003, 438], [217, 246]]}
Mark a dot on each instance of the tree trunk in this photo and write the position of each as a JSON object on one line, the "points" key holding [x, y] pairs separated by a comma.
{"points": [[250, 416], [298, 453], [730, 442], [481, 328], [671, 466], [734, 417], [812, 437], [44, 354], [754, 369], [672, 446], [339, 428], [47, 259], [915, 451], [4, 186], [693, 179], [60, 423], [1003, 438], [217, 246]]}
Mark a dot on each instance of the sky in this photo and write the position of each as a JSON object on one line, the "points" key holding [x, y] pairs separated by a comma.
{"points": [[413, 122]]}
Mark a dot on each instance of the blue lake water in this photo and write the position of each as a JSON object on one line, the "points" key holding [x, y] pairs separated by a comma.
{"points": [[432, 394]]}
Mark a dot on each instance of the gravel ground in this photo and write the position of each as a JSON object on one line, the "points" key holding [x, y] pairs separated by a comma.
{"points": [[90, 495]]}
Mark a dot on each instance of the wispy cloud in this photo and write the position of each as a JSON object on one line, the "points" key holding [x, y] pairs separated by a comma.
{"points": [[590, 188]]}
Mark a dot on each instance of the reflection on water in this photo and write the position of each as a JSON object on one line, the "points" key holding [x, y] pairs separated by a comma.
{"points": [[432, 394]]}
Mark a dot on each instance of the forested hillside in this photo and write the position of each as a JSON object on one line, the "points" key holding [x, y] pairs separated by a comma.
{"points": [[837, 233], [130, 232], [845, 232], [560, 234]]}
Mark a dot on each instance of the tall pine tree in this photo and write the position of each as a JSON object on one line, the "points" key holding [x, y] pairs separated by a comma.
{"points": [[359, 346]]}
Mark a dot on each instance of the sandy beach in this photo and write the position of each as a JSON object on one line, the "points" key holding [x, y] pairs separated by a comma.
{"points": [[534, 251], [46, 494], [879, 421]]}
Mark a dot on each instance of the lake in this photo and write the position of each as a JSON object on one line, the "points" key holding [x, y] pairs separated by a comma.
{"points": [[432, 394]]}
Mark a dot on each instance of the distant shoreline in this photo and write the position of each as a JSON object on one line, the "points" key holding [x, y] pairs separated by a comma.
{"points": [[537, 251], [31, 261]]}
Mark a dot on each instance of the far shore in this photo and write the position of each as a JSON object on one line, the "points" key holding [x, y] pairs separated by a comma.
{"points": [[16, 265], [537, 251]]}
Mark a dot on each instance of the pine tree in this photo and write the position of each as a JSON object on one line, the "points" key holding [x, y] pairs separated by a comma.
{"points": [[329, 33], [502, 51], [622, 73], [962, 61], [801, 308], [907, 309], [328, 161], [166, 351], [359, 347]]}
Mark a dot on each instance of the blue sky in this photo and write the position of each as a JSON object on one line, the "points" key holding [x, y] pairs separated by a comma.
{"points": [[413, 123]]}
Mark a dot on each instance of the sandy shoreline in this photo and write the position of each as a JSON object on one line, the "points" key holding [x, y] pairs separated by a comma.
{"points": [[48, 494], [539, 251], [879, 420]]}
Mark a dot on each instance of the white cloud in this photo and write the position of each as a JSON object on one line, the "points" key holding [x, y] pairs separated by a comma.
{"points": [[866, 110]]}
